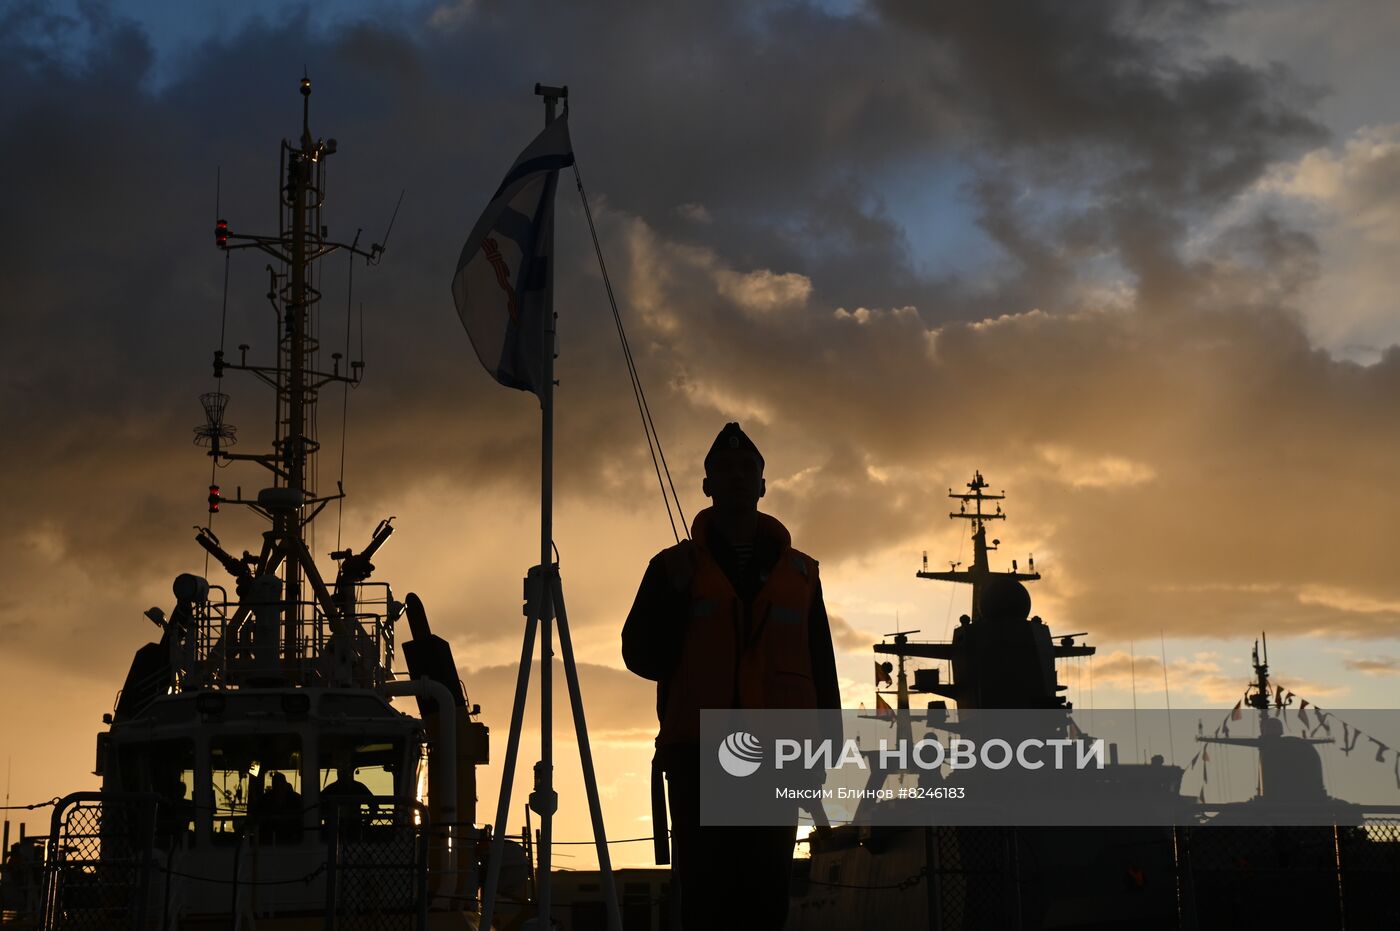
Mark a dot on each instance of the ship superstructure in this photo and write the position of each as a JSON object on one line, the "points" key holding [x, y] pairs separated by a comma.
{"points": [[917, 873], [254, 768], [891, 873], [1290, 771]]}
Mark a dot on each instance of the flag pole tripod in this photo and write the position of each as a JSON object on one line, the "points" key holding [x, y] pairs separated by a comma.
{"points": [[545, 596]]}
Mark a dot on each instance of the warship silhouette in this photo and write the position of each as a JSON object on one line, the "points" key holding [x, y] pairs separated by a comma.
{"points": [[1199, 872]]}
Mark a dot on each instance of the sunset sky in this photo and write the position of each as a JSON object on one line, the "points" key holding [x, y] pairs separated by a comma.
{"points": [[1135, 262]]}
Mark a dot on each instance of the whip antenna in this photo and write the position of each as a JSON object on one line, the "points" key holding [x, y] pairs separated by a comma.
{"points": [[378, 248]]}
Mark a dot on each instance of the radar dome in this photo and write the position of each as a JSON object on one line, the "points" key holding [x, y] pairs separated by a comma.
{"points": [[1006, 600]]}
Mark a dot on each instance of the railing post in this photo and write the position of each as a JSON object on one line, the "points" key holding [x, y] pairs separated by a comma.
{"points": [[1341, 878], [422, 877], [332, 846], [169, 878], [53, 870], [1186, 877], [142, 842]]}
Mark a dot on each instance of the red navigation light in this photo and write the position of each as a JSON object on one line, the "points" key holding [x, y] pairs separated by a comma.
{"points": [[214, 499], [221, 234]]}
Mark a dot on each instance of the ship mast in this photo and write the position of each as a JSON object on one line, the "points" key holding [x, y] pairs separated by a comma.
{"points": [[297, 447], [1259, 692], [1001, 657], [292, 503], [980, 572]]}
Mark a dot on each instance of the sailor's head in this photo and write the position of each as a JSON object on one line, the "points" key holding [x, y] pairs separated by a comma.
{"points": [[278, 781], [734, 470]]}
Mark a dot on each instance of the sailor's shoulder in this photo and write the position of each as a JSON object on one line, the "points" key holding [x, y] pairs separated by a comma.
{"points": [[678, 563], [803, 564]]}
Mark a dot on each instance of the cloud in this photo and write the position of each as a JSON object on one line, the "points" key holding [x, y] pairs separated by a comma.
{"points": [[1339, 44], [1127, 356], [1347, 194], [846, 637], [1375, 666], [762, 291], [1199, 678], [1350, 601], [615, 701], [1106, 257], [694, 212], [1124, 90], [1104, 472]]}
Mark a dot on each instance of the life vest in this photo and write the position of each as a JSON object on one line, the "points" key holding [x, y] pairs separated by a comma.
{"points": [[736, 656]]}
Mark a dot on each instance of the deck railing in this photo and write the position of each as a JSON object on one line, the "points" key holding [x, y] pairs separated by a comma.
{"points": [[114, 863], [220, 654]]}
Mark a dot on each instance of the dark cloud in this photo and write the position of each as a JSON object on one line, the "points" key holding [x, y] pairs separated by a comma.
{"points": [[1097, 134], [1098, 150], [1125, 90]]}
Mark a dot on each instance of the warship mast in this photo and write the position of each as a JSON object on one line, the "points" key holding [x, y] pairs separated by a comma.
{"points": [[1001, 656], [980, 572]]}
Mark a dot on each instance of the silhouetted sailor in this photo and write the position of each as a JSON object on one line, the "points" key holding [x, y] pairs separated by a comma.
{"points": [[174, 813], [279, 816], [342, 802], [732, 618]]}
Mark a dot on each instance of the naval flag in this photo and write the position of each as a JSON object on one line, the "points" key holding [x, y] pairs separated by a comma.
{"points": [[503, 284]]}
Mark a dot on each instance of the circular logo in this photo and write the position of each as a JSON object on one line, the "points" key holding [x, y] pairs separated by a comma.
{"points": [[740, 754]]}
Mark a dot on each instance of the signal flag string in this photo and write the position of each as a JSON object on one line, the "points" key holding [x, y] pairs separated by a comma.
{"points": [[1283, 699]]}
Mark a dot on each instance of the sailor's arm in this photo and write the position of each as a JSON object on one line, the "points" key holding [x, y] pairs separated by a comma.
{"points": [[653, 634], [823, 653]]}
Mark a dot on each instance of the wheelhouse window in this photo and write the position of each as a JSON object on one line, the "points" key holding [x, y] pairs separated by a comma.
{"points": [[353, 771], [257, 788], [355, 764], [166, 768]]}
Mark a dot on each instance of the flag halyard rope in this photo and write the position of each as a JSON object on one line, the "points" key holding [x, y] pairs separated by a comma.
{"points": [[658, 456]]}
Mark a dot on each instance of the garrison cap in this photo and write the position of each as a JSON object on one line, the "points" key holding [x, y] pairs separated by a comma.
{"points": [[732, 437]]}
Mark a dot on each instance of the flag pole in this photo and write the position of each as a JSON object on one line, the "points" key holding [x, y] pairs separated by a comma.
{"points": [[543, 800], [550, 598], [504, 278]]}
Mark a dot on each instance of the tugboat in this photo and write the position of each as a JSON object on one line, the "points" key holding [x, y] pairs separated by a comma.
{"points": [[254, 770]]}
